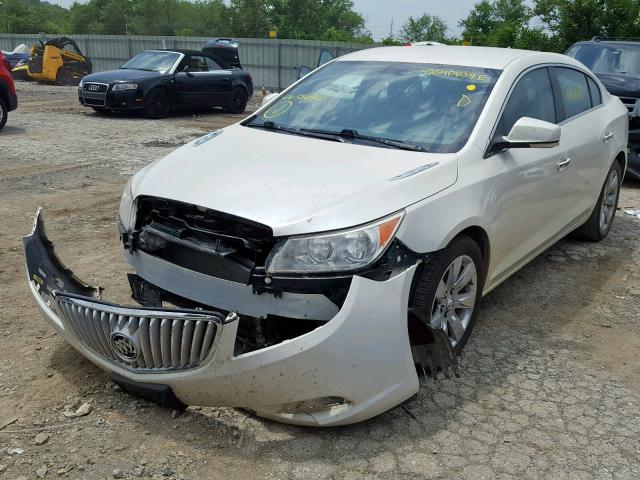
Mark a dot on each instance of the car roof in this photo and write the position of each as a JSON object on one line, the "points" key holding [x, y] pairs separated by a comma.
{"points": [[483, 57], [608, 42]]}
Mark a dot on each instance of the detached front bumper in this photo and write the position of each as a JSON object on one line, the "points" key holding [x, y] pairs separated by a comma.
{"points": [[355, 366]]}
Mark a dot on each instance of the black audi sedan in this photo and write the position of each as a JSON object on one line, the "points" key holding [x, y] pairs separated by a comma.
{"points": [[157, 81]]}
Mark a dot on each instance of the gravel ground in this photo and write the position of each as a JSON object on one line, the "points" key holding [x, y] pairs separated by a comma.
{"points": [[550, 385]]}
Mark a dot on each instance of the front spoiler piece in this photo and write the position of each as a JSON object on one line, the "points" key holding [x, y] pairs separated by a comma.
{"points": [[47, 271], [139, 339]]}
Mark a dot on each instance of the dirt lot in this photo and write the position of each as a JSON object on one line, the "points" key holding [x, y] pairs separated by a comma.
{"points": [[550, 384]]}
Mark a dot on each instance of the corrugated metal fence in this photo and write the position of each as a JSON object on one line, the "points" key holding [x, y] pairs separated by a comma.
{"points": [[272, 63]]}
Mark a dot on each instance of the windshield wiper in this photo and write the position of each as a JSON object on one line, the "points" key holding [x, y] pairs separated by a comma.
{"points": [[269, 125], [350, 133]]}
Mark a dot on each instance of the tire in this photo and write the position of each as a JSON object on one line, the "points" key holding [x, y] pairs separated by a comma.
{"points": [[601, 219], [239, 101], [427, 290], [4, 113], [157, 104]]}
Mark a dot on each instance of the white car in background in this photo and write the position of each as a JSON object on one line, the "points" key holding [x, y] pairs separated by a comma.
{"points": [[307, 262]]}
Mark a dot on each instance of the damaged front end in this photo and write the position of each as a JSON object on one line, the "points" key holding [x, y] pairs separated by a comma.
{"points": [[215, 329]]}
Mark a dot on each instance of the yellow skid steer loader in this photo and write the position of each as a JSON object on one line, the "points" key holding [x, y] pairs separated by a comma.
{"points": [[58, 61]]}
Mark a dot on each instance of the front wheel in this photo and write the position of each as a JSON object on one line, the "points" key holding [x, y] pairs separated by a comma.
{"points": [[601, 219], [157, 104], [4, 113], [449, 288]]}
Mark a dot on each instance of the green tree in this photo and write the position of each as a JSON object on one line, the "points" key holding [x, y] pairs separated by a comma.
{"points": [[333, 20], [573, 20], [425, 28], [32, 16], [317, 19], [505, 23], [249, 18]]}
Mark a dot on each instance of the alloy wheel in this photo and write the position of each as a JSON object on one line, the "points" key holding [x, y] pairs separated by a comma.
{"points": [[455, 298], [609, 200]]}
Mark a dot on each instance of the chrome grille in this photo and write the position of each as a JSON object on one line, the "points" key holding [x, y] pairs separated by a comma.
{"points": [[94, 93], [144, 340], [629, 102]]}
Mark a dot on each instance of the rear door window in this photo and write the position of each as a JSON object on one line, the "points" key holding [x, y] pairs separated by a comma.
{"points": [[532, 97], [596, 98], [574, 91]]}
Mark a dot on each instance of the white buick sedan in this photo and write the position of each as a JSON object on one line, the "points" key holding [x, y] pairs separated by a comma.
{"points": [[308, 262]]}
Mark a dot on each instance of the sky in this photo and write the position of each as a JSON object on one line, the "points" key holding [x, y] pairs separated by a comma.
{"points": [[378, 13]]}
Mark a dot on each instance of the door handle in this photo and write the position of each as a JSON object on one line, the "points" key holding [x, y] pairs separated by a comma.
{"points": [[564, 162], [607, 137]]}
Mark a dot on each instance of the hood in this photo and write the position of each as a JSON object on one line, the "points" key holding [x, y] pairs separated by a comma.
{"points": [[120, 75], [626, 85], [295, 184]]}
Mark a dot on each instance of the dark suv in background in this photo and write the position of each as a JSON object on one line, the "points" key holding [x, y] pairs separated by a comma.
{"points": [[617, 64], [8, 97]]}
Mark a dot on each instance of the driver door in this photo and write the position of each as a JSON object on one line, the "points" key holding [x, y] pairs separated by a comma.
{"points": [[202, 82], [525, 200]]}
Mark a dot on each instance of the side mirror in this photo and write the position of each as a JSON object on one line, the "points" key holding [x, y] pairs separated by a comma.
{"points": [[268, 99], [528, 133], [186, 71]]}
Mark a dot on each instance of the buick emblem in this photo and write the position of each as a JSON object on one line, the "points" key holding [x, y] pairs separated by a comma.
{"points": [[124, 346]]}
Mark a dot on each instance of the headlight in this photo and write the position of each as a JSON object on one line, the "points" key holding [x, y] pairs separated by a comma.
{"points": [[342, 251], [124, 86], [126, 212], [81, 84]]}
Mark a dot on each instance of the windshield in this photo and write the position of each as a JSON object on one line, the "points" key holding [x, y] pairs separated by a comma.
{"points": [[430, 106], [608, 58], [152, 61]]}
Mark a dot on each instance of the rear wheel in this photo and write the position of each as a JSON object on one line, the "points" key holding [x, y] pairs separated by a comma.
{"points": [[157, 104], [449, 289], [601, 219], [239, 101], [4, 113]]}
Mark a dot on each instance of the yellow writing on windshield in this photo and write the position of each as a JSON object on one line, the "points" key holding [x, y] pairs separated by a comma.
{"points": [[278, 109], [464, 101], [306, 98], [442, 72]]}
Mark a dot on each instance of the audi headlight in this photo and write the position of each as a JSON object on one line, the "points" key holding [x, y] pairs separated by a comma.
{"points": [[340, 251], [126, 212], [125, 86]]}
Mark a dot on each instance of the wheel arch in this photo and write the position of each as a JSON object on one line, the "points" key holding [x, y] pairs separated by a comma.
{"points": [[4, 92], [481, 237], [621, 158], [472, 228], [240, 84]]}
